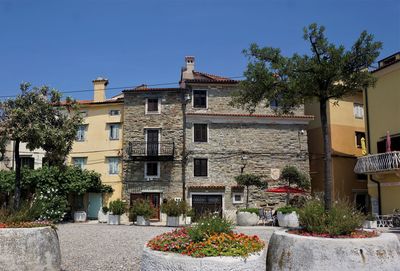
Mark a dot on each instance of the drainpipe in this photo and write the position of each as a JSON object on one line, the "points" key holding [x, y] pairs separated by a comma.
{"points": [[369, 149], [184, 98]]}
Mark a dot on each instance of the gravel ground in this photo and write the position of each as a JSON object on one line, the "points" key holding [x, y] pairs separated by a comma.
{"points": [[104, 247]]}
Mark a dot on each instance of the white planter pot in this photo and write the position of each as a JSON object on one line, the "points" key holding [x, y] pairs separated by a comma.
{"points": [[80, 216], [114, 219], [370, 224], [288, 220], [157, 260], [172, 221], [247, 219], [102, 217], [141, 221], [185, 220], [29, 249], [295, 252]]}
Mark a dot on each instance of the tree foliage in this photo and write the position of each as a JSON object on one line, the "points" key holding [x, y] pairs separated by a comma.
{"points": [[248, 180], [293, 175], [329, 72], [38, 118]]}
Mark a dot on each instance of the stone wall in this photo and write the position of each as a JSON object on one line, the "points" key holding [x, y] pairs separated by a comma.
{"points": [[219, 96], [170, 122], [267, 146]]}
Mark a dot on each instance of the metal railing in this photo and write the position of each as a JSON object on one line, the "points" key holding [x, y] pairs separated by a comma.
{"points": [[144, 148], [381, 162]]}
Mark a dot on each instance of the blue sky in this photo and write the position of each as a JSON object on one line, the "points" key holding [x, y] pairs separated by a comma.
{"points": [[66, 44]]}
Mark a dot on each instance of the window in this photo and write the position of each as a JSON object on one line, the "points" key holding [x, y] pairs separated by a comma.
{"points": [[114, 131], [200, 98], [237, 197], [200, 132], [114, 112], [79, 162], [28, 162], [152, 170], [362, 177], [113, 165], [152, 106], [359, 135], [358, 111], [200, 167], [81, 134]]}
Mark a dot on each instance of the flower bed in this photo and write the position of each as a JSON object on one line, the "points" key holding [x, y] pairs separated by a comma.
{"points": [[218, 244], [209, 245]]}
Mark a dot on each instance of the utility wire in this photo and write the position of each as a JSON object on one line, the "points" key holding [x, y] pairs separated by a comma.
{"points": [[116, 88]]}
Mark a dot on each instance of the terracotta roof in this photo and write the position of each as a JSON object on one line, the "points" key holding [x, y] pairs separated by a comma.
{"points": [[108, 101], [310, 117], [151, 89], [205, 187], [204, 78]]}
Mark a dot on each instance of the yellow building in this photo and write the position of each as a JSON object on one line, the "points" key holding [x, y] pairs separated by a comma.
{"points": [[346, 124], [98, 145], [382, 119]]}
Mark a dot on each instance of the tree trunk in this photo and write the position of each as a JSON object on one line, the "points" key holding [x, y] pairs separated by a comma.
{"points": [[247, 197], [327, 155], [17, 189]]}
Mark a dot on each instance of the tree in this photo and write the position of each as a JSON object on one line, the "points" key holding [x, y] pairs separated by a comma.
{"points": [[329, 72], [248, 180], [294, 176], [37, 118]]}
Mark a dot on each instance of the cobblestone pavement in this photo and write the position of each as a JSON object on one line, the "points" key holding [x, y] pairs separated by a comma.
{"points": [[89, 246]]}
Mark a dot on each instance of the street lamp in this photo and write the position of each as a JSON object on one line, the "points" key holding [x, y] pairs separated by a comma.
{"points": [[243, 160]]}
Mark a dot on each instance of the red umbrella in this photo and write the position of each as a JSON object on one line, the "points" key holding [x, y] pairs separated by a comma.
{"points": [[285, 189], [388, 142]]}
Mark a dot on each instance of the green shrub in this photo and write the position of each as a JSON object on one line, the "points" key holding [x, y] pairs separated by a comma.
{"points": [[117, 207], [370, 217], [209, 226], [105, 209], [287, 209], [174, 208], [140, 207], [26, 213], [250, 210], [342, 219]]}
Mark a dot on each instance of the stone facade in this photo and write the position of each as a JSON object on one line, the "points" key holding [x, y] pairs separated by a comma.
{"points": [[269, 142], [169, 122]]}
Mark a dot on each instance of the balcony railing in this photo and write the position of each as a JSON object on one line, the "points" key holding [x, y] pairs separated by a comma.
{"points": [[378, 163], [142, 150]]}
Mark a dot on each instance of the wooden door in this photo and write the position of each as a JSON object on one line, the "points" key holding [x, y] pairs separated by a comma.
{"points": [[152, 142]]}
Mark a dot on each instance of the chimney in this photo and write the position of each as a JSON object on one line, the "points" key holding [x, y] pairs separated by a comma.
{"points": [[187, 71], [99, 87]]}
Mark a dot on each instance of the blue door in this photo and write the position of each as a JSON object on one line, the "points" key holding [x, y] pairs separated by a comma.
{"points": [[95, 204]]}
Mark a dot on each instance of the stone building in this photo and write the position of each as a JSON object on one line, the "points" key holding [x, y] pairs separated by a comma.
{"points": [[188, 142]]}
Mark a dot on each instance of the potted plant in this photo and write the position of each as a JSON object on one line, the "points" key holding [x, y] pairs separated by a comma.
{"points": [[117, 208], [210, 244], [173, 209], [292, 175], [370, 222], [103, 215], [287, 216], [247, 217], [140, 212], [334, 237]]}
